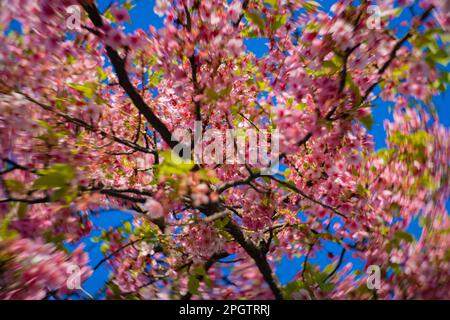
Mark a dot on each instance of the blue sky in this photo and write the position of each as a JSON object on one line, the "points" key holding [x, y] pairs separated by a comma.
{"points": [[142, 16]]}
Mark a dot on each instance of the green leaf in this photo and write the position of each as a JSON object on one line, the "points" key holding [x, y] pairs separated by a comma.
{"points": [[396, 268], [256, 19], [389, 247], [293, 286], [128, 5], [57, 239], [173, 165], [155, 77], [326, 286], [128, 227], [427, 181], [49, 181], [447, 255], [212, 94], [397, 11], [330, 66], [59, 194], [71, 59], [272, 3], [57, 176], [66, 192], [193, 284], [278, 22], [248, 32], [44, 124], [200, 271], [367, 121], [147, 231], [104, 247], [87, 89], [226, 235], [208, 282], [362, 191], [311, 6], [349, 82], [5, 233], [403, 235], [101, 74], [14, 185], [221, 223], [440, 56], [445, 76], [108, 15], [22, 210]]}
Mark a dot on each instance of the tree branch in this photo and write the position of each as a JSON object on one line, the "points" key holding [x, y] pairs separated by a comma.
{"points": [[258, 256], [124, 80], [112, 254], [208, 264], [295, 189], [87, 126], [393, 54], [341, 259]]}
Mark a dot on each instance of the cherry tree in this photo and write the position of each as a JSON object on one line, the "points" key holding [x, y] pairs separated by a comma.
{"points": [[87, 122]]}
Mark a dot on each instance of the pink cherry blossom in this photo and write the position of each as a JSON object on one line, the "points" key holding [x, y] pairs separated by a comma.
{"points": [[120, 14], [154, 208], [87, 123]]}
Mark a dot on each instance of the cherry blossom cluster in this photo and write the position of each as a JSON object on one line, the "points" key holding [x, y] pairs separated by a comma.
{"points": [[86, 125]]}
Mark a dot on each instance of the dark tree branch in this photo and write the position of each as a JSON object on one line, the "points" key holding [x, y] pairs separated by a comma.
{"points": [[393, 54], [338, 265], [124, 80], [208, 264], [304, 195], [241, 16], [13, 166], [112, 254], [26, 200], [258, 256], [87, 126]]}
